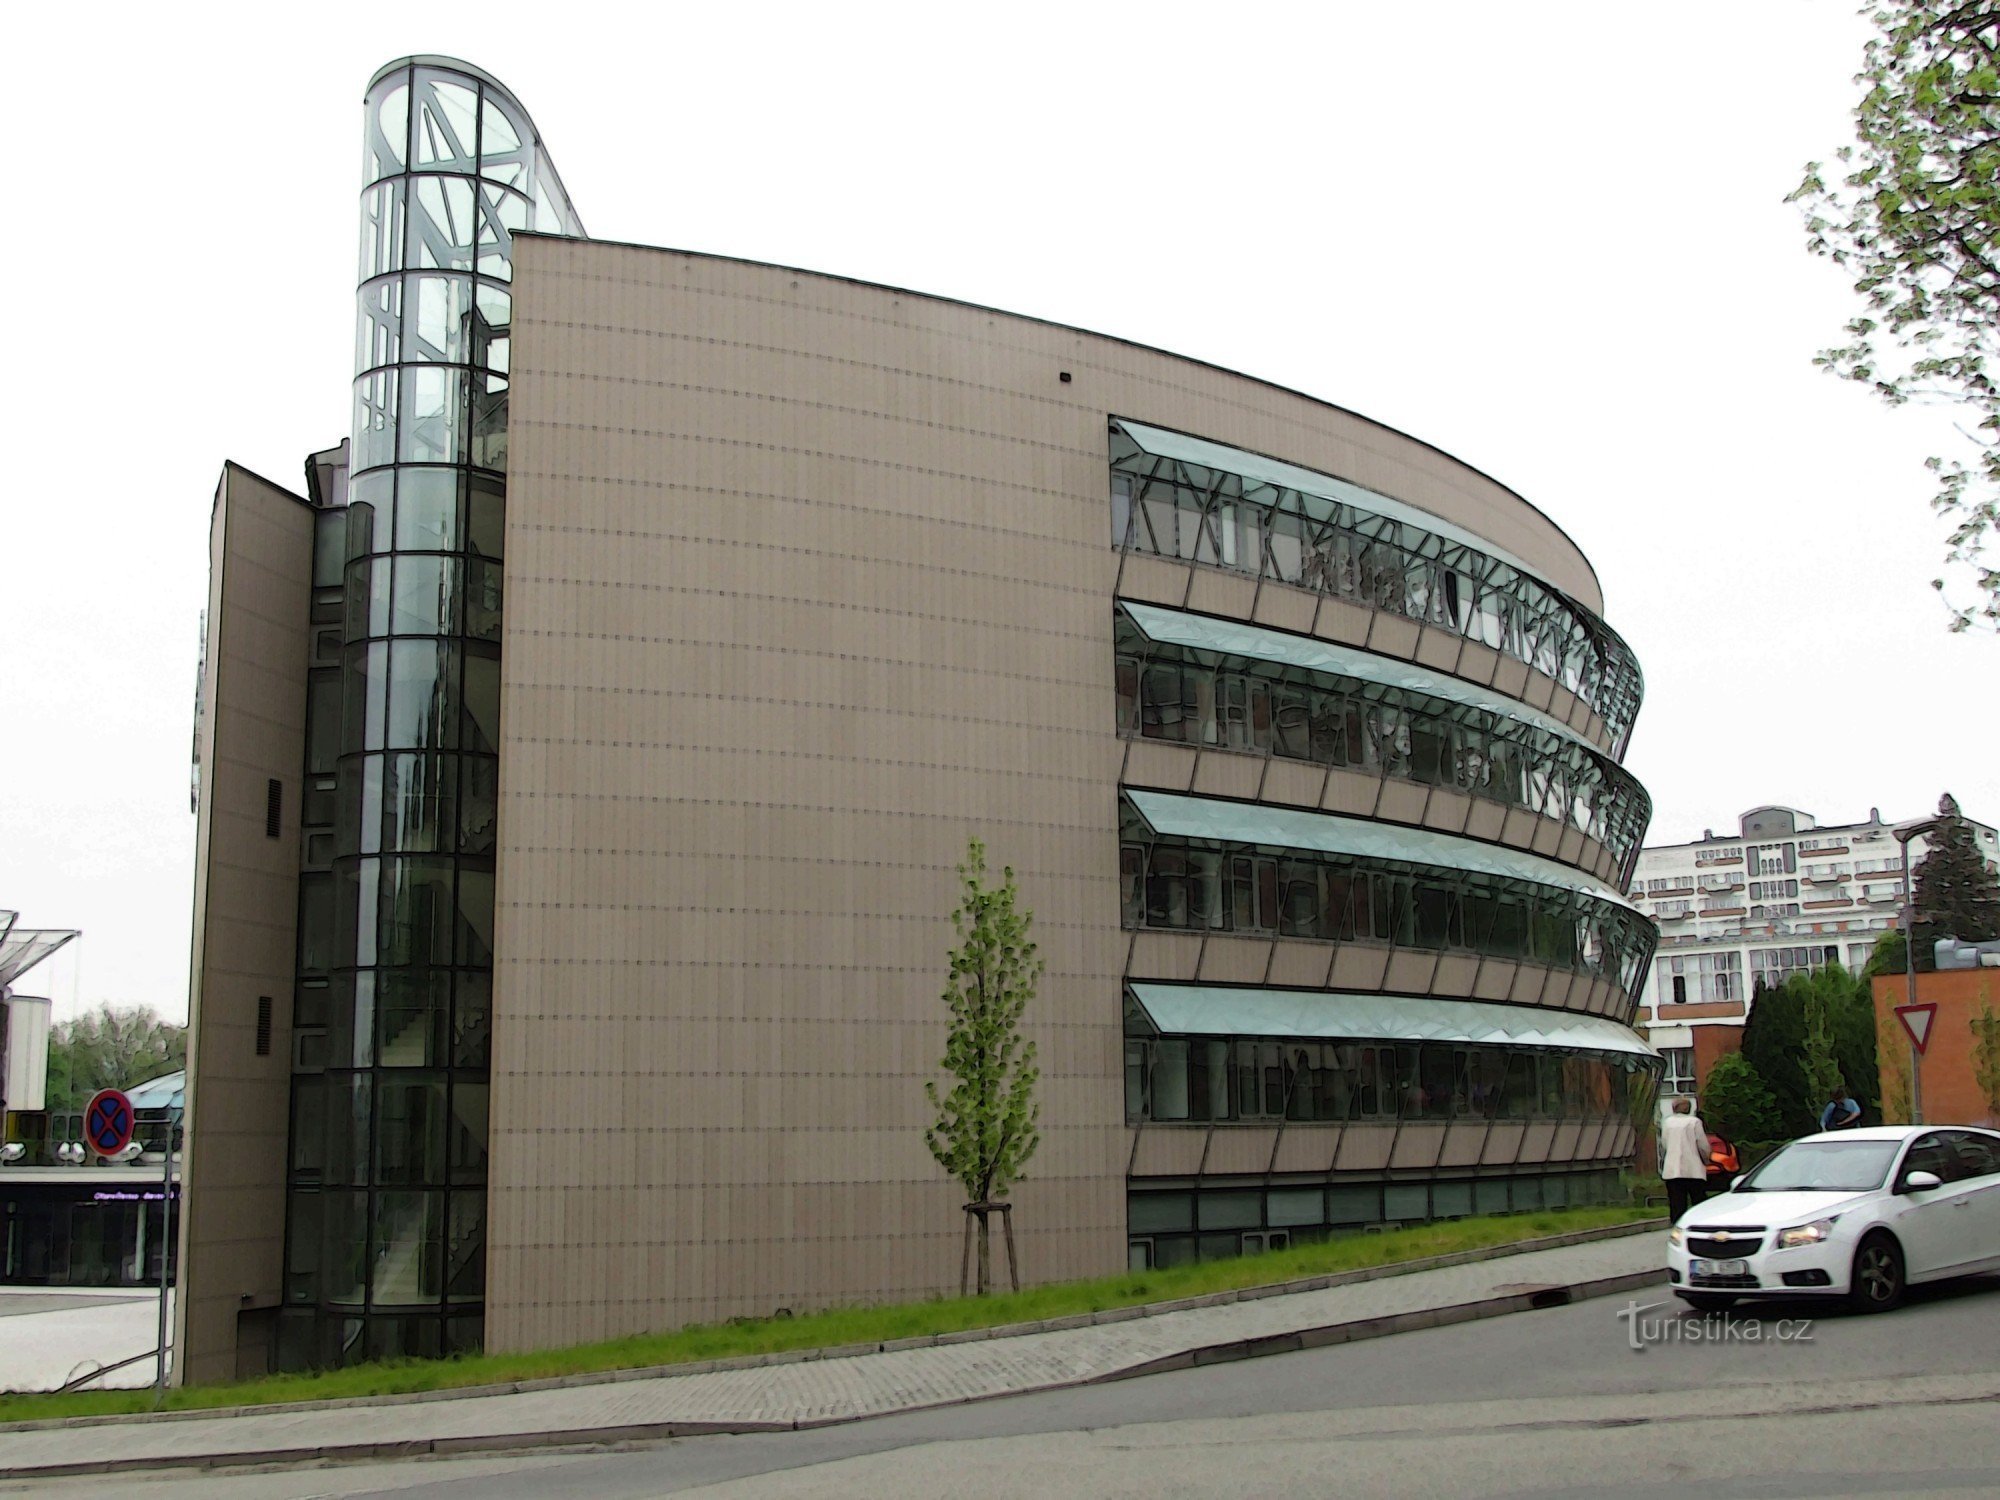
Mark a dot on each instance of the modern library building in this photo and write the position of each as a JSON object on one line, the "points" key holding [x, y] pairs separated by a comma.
{"points": [[586, 747]]}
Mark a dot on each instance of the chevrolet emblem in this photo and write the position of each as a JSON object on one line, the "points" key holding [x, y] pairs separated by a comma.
{"points": [[1720, 1236]]}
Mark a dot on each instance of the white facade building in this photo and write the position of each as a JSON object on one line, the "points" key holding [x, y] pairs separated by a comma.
{"points": [[1780, 895]]}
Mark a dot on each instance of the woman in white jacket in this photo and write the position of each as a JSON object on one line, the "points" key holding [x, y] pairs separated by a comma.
{"points": [[1683, 1159]]}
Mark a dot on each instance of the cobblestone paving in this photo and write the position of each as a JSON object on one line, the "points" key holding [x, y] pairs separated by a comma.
{"points": [[822, 1390]]}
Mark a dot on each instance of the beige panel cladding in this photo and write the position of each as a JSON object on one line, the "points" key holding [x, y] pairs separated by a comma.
{"points": [[1168, 1150], [1215, 592], [246, 899], [1306, 1148], [1240, 1150], [1235, 960], [1439, 648], [808, 581], [1295, 782], [1342, 622], [1234, 776], [1392, 635], [1160, 1155], [1156, 580], [1462, 1144]]}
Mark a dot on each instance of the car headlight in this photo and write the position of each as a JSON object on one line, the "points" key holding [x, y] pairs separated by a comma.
{"points": [[1676, 1235], [1816, 1233]]}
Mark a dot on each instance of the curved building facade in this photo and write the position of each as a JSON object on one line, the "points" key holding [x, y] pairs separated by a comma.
{"points": [[1302, 737]]}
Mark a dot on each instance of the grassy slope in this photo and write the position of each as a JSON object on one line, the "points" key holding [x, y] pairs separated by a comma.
{"points": [[841, 1326]]}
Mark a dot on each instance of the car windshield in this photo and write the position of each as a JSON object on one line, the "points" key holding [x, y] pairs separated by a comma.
{"points": [[1823, 1167]]}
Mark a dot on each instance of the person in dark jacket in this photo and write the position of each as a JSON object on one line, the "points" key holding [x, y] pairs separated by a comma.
{"points": [[1840, 1112]]}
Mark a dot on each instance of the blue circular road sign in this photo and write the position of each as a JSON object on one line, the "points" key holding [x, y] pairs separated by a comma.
{"points": [[107, 1122]]}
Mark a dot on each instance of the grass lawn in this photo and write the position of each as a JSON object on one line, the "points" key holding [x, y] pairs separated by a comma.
{"points": [[841, 1326]]}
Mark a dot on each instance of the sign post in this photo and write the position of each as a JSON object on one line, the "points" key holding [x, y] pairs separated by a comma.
{"points": [[107, 1122], [1917, 1021], [166, 1252]]}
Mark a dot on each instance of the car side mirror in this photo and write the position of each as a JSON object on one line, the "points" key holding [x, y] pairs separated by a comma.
{"points": [[1917, 1182]]}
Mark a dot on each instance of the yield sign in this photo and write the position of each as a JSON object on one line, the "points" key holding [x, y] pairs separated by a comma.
{"points": [[1916, 1021]]}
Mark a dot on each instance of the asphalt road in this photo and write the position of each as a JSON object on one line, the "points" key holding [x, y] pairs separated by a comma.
{"points": [[1546, 1403]]}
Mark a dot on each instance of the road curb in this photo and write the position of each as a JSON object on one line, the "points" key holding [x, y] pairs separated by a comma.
{"points": [[1526, 1298]]}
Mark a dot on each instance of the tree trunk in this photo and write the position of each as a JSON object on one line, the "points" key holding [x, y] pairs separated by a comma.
{"points": [[985, 1257]]}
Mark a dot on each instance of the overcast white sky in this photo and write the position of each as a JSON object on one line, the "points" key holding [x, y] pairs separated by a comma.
{"points": [[1550, 239]]}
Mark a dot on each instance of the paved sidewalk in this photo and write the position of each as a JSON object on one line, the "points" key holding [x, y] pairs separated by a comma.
{"points": [[806, 1391]]}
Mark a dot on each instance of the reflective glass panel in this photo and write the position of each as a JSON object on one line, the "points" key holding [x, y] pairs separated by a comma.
{"points": [[486, 516], [482, 700], [412, 1010], [409, 1130], [478, 804], [500, 136], [465, 1248], [447, 122], [379, 330], [427, 509], [344, 1247], [441, 315], [475, 917], [347, 1125], [416, 911], [468, 1131], [409, 1247], [374, 419], [441, 224], [471, 1020], [388, 133], [417, 795], [482, 600], [382, 229], [433, 419], [425, 597], [419, 704]]}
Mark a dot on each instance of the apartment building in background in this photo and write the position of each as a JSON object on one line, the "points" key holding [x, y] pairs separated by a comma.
{"points": [[587, 747], [1781, 895]]}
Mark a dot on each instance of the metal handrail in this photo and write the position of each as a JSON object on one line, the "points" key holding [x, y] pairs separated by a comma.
{"points": [[89, 1375]]}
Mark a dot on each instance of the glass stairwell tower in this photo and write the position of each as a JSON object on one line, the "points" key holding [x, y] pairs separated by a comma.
{"points": [[386, 1222]]}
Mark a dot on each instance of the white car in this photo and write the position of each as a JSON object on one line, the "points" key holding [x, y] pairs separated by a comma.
{"points": [[1857, 1214]]}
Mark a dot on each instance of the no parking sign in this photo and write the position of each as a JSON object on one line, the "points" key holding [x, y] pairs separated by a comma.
{"points": [[107, 1122]]}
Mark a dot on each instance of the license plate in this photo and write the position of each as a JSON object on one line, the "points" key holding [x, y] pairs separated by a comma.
{"points": [[1719, 1268]]}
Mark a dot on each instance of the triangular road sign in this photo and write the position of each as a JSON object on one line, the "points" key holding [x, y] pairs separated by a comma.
{"points": [[1916, 1021]]}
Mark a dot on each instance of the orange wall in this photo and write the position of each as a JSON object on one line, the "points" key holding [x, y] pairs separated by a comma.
{"points": [[1711, 1044], [1951, 1091]]}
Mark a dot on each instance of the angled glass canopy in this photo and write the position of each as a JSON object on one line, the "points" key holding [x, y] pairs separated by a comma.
{"points": [[1281, 648], [1330, 833], [22, 948], [1213, 1010], [1256, 467]]}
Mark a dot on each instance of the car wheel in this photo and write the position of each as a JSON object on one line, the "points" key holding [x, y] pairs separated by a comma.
{"points": [[1708, 1301], [1876, 1282]]}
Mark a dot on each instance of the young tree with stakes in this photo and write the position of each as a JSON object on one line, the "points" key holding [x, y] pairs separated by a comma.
{"points": [[986, 1125]]}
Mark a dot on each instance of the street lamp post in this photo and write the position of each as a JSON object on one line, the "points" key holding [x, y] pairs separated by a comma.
{"points": [[1903, 836]]}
